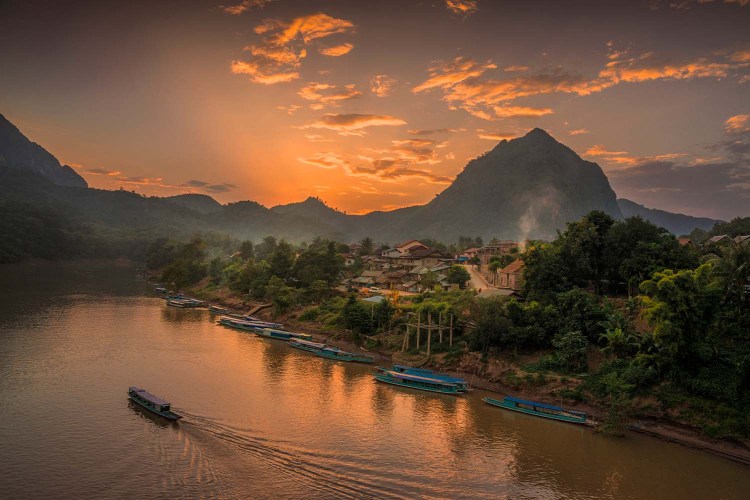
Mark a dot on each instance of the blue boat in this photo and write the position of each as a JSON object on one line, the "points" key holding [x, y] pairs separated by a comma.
{"points": [[420, 382], [243, 324], [329, 352], [273, 333], [538, 409], [152, 403], [424, 372]]}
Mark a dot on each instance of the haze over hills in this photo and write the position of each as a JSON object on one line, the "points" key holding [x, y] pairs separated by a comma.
{"points": [[528, 187]]}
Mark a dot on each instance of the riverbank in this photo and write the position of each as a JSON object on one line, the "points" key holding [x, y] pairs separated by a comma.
{"points": [[504, 377]]}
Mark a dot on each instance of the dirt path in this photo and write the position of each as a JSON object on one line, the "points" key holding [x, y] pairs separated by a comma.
{"points": [[477, 280]]}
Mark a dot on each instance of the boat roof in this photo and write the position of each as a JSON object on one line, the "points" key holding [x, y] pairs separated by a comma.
{"points": [[431, 374], [309, 343], [147, 395], [409, 376], [533, 403]]}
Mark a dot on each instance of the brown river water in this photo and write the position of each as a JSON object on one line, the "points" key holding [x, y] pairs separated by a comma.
{"points": [[263, 420]]}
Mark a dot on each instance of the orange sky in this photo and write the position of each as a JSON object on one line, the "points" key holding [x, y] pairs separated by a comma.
{"points": [[379, 105]]}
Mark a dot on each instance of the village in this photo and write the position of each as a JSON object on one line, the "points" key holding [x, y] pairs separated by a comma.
{"points": [[414, 267]]}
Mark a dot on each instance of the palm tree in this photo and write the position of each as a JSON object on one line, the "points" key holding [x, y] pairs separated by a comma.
{"points": [[731, 271], [619, 342]]}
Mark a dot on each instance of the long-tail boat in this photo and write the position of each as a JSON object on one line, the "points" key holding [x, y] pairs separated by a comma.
{"points": [[424, 372], [248, 325], [538, 409], [421, 382], [152, 403], [273, 333], [329, 352]]}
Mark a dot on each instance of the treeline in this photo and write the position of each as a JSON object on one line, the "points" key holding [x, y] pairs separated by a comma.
{"points": [[681, 333]]}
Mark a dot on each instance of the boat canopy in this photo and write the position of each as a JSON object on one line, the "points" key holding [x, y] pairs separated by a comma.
{"points": [[308, 343], [418, 378], [144, 394], [533, 403]]}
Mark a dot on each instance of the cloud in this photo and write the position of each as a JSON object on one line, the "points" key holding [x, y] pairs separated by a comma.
{"points": [[102, 171], [737, 124], [337, 50], [462, 7], [389, 169], [516, 68], [353, 124], [290, 110], [208, 186], [282, 48], [327, 160], [317, 138], [381, 85], [145, 181], [579, 131], [325, 94], [496, 136], [465, 86], [243, 6], [520, 112], [432, 131], [600, 150]]}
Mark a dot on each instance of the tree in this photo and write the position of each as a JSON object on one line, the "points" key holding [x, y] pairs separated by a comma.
{"points": [[247, 250], [571, 350], [356, 317], [428, 280], [282, 260], [215, 270], [319, 287], [458, 275], [366, 246]]}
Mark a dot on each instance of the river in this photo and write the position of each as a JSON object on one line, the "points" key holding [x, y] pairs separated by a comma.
{"points": [[263, 420]]}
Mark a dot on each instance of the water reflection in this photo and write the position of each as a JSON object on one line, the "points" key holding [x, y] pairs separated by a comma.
{"points": [[265, 420]]}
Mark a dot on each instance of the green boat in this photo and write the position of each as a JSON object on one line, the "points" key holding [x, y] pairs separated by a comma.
{"points": [[152, 403], [538, 409], [272, 333], [329, 352], [419, 382]]}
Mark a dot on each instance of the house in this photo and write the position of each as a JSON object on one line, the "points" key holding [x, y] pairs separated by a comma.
{"points": [[349, 259], [511, 276], [495, 248], [743, 239], [721, 239], [685, 241], [403, 249], [423, 257]]}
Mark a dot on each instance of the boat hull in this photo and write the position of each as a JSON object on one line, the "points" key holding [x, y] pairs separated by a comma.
{"points": [[560, 418], [351, 357], [394, 381], [168, 415]]}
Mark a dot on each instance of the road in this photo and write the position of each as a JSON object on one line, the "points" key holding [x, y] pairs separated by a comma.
{"points": [[477, 280]]}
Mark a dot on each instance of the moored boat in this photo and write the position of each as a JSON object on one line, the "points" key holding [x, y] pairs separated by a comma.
{"points": [[329, 352], [160, 289], [152, 403], [218, 309], [273, 333], [422, 383], [538, 409], [424, 372]]}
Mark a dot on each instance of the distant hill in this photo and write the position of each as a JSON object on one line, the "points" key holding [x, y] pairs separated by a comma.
{"points": [[201, 203], [678, 224], [526, 187], [19, 152]]}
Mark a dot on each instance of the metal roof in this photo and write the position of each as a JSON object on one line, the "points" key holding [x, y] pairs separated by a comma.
{"points": [[143, 393]]}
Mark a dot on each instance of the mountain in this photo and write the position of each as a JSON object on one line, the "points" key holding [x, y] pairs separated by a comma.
{"points": [[674, 223], [201, 203], [527, 187], [19, 152]]}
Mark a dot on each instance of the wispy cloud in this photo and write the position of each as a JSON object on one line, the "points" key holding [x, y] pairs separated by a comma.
{"points": [[514, 69], [281, 51], [353, 124], [291, 109], [462, 7], [381, 85], [327, 160], [432, 131], [465, 86], [208, 186], [389, 169], [579, 131], [737, 124], [317, 138], [323, 95], [244, 6], [103, 171], [336, 50], [496, 136]]}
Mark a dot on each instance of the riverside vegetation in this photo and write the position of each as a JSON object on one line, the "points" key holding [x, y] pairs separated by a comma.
{"points": [[616, 314]]}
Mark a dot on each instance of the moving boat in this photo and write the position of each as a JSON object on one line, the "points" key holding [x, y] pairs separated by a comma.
{"points": [[152, 403], [329, 352], [424, 372], [273, 333], [421, 382], [538, 409]]}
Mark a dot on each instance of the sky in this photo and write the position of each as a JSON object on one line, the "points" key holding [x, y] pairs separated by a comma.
{"points": [[380, 104]]}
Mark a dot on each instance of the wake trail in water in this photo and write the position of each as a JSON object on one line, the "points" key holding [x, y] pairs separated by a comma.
{"points": [[319, 473]]}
